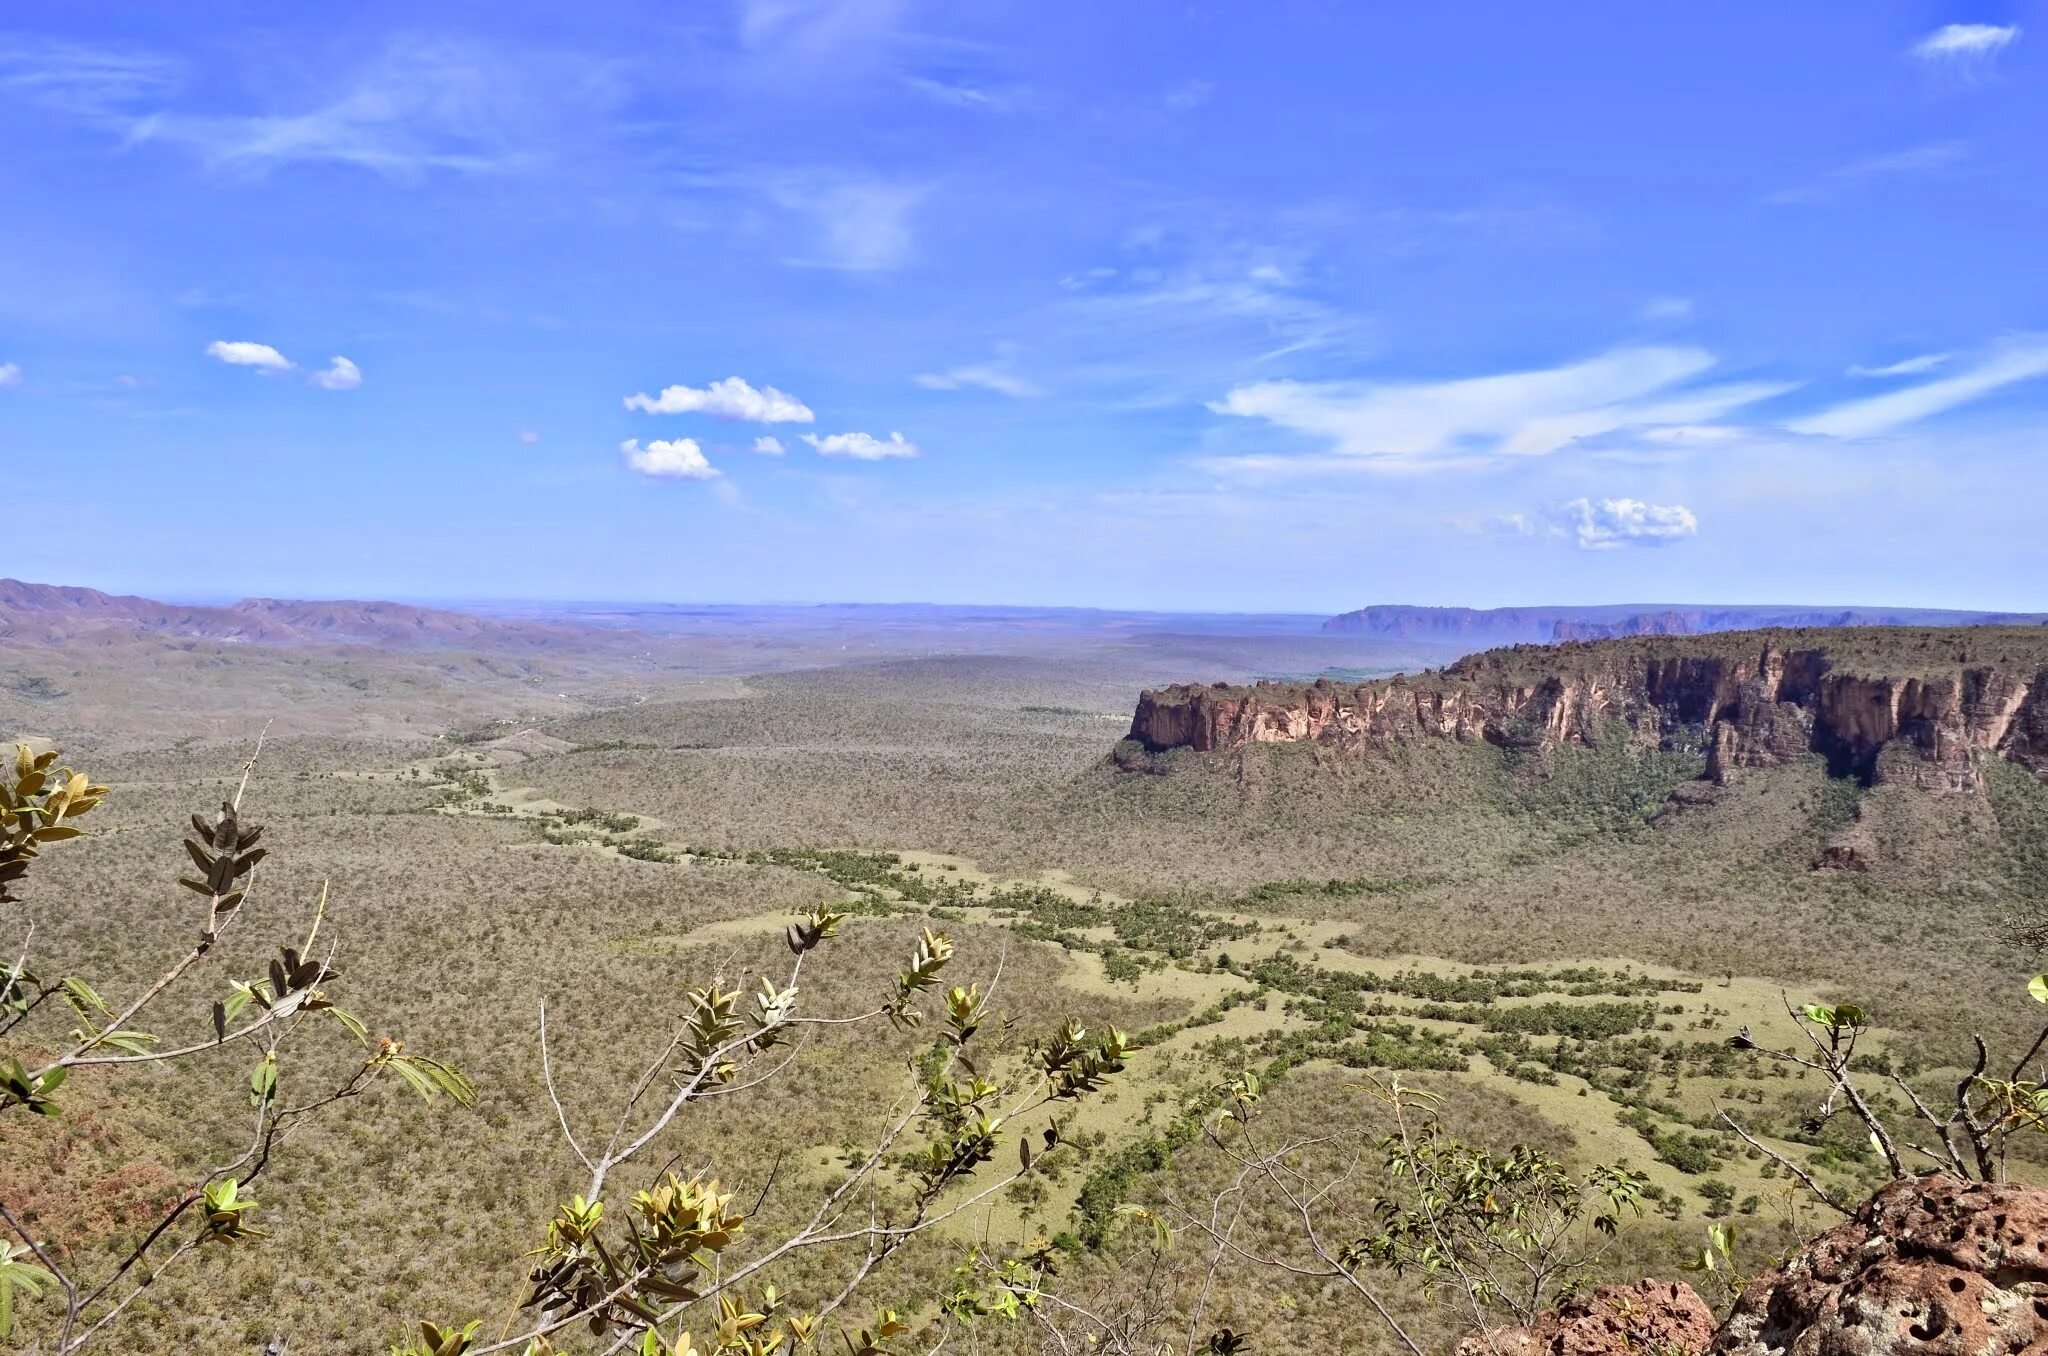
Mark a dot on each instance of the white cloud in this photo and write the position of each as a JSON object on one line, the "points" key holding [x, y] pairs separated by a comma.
{"points": [[1667, 308], [1905, 367], [1965, 42], [93, 83], [2019, 359], [1605, 524], [341, 375], [243, 353], [861, 446], [769, 446], [10, 375], [679, 458], [863, 225], [1929, 158], [731, 398], [417, 106], [1518, 414], [961, 94], [529, 437], [985, 376], [1691, 435]]}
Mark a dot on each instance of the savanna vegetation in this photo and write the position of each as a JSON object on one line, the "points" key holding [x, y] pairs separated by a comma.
{"points": [[1269, 980]]}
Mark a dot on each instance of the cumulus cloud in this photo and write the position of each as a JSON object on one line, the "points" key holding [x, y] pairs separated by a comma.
{"points": [[983, 376], [769, 446], [1904, 367], [732, 398], [1514, 414], [861, 446], [10, 375], [1965, 42], [1607, 524], [243, 353], [341, 375], [676, 458], [2019, 359]]}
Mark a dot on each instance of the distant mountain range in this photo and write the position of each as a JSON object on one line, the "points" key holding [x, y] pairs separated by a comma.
{"points": [[1508, 625], [53, 612]]}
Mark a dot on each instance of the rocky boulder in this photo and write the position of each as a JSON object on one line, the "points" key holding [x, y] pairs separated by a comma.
{"points": [[1661, 1317], [1931, 1266]]}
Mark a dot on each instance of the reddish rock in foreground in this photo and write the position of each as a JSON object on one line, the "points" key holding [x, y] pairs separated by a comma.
{"points": [[1663, 1317], [1932, 1266]]}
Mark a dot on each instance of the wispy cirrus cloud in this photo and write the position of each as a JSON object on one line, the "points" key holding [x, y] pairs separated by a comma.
{"points": [[2018, 359], [861, 446], [1904, 367], [1928, 158], [858, 224], [419, 106], [729, 398], [98, 84], [992, 376], [672, 459], [1515, 414], [958, 93]]}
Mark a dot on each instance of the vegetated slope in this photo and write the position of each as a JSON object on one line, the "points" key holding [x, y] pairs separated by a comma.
{"points": [[1506, 624], [1782, 802]]}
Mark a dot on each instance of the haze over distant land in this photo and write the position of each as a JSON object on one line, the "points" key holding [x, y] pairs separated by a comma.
{"points": [[1541, 624], [872, 301]]}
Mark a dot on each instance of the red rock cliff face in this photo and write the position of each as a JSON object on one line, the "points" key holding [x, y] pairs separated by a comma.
{"points": [[1754, 708]]}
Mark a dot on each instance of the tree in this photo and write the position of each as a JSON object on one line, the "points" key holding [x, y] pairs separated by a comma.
{"points": [[1964, 1131]]}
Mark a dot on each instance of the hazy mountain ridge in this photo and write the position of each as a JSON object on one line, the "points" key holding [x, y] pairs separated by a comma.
{"points": [[55, 612], [1504, 625]]}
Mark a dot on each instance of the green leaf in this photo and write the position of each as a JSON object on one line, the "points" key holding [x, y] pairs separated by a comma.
{"points": [[352, 1024], [263, 1082], [2038, 987]]}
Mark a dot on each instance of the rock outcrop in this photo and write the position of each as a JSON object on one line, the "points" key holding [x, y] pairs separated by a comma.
{"points": [[1615, 1320], [1746, 700], [1931, 1266]]}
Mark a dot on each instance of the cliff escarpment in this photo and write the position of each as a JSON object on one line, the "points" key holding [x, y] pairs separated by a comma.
{"points": [[1882, 704]]}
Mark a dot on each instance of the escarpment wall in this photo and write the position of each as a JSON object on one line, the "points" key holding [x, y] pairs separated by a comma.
{"points": [[1748, 706]]}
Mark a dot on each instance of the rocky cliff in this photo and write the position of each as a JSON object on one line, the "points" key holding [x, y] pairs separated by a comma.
{"points": [[1894, 704]]}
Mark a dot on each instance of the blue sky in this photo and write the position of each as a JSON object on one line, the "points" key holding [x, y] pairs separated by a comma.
{"points": [[1208, 306]]}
